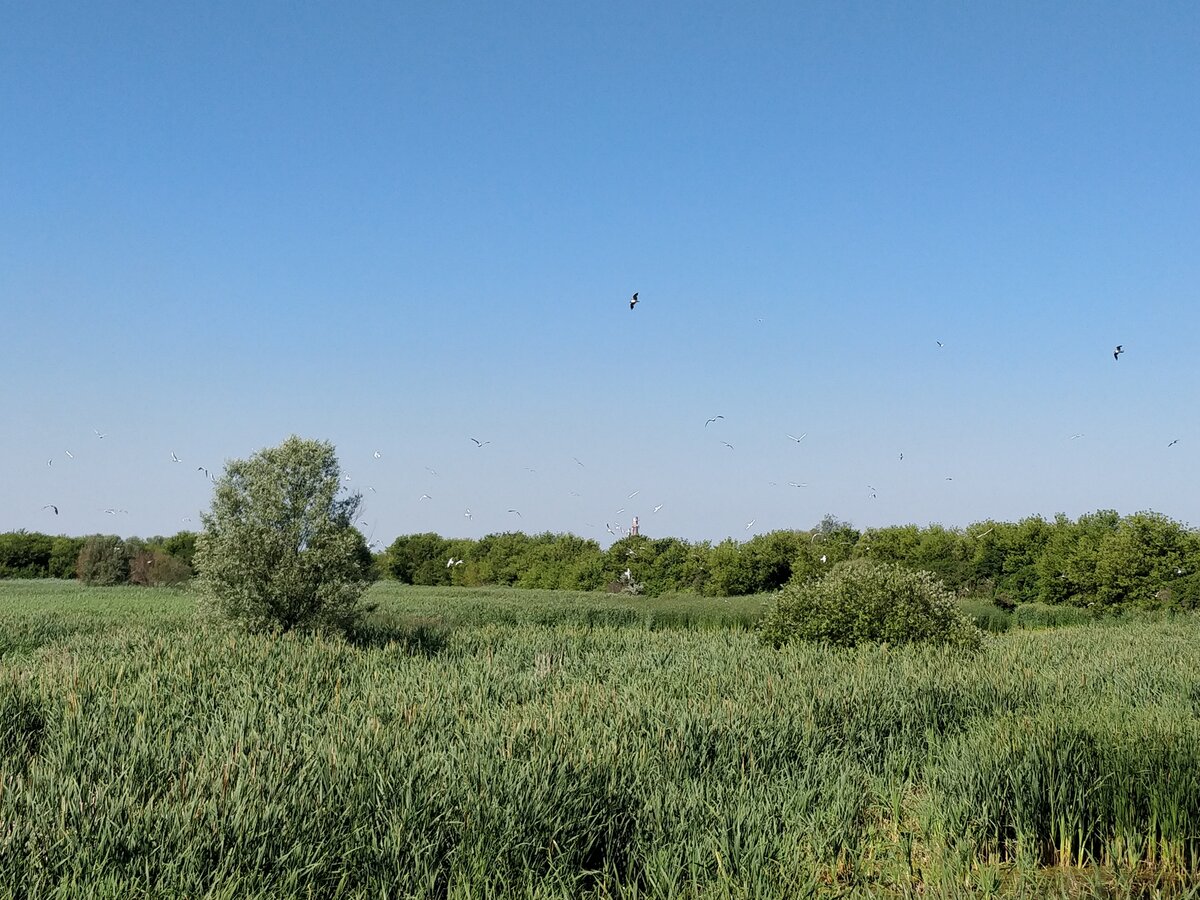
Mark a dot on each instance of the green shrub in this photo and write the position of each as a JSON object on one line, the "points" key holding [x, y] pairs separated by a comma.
{"points": [[861, 602], [24, 554], [64, 555], [154, 568], [104, 560]]}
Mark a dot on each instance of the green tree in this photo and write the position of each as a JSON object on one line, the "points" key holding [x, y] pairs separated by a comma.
{"points": [[1066, 566], [25, 554], [279, 550], [182, 546], [103, 560], [64, 554], [419, 559], [1136, 563]]}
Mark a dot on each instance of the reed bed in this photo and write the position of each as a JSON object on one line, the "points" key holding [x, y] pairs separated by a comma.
{"points": [[147, 753]]}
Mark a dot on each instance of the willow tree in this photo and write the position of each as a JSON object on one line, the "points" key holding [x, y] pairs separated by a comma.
{"points": [[279, 550]]}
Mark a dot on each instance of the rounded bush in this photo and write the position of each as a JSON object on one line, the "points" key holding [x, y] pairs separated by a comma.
{"points": [[862, 602]]}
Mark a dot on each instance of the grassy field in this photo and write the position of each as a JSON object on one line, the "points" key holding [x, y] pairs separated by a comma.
{"points": [[508, 743]]}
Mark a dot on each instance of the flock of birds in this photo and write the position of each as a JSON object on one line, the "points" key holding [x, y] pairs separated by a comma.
{"points": [[480, 444]]}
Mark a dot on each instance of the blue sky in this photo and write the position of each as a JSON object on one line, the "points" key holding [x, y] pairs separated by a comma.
{"points": [[397, 226]]}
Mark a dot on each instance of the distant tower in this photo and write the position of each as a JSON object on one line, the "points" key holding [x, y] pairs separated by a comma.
{"points": [[633, 529]]}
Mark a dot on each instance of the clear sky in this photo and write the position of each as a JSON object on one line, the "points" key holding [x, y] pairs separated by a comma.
{"points": [[398, 226]]}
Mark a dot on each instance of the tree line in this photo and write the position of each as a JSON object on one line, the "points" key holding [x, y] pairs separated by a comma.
{"points": [[102, 559], [1100, 560]]}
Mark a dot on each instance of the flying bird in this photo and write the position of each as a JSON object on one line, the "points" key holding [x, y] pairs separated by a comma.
{"points": [[713, 419], [798, 439], [1173, 443], [727, 444], [50, 462], [608, 528], [798, 484], [479, 443], [633, 301], [468, 513], [51, 506], [70, 455], [424, 497], [634, 494], [657, 508], [1077, 435], [1118, 350], [377, 454], [175, 458], [98, 434], [901, 454], [749, 524], [939, 343], [432, 472], [576, 458], [204, 470], [517, 513], [873, 494]]}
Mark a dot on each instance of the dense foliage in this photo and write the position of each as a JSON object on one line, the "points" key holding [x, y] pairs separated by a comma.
{"points": [[862, 602], [1100, 562], [279, 550], [143, 754]]}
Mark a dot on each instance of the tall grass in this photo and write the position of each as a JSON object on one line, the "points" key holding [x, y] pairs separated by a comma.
{"points": [[148, 754]]}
